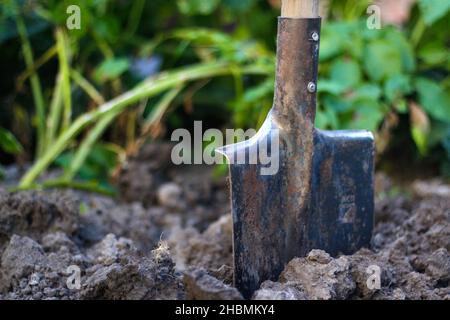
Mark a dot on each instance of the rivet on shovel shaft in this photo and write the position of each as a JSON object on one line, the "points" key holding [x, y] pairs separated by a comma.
{"points": [[312, 87]]}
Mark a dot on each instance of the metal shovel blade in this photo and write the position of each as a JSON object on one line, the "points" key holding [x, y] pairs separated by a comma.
{"points": [[321, 193]]}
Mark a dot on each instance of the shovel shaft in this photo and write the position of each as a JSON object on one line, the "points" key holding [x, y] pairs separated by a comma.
{"points": [[300, 8], [296, 73], [294, 111]]}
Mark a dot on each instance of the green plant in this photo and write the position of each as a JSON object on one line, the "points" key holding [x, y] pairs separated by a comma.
{"points": [[369, 79], [62, 130], [34, 78], [9, 143], [102, 116]]}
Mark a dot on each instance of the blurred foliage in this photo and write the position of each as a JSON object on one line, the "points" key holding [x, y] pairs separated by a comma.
{"points": [[9, 143], [369, 79]]}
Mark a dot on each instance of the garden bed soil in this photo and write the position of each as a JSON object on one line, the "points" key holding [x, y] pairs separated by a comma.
{"points": [[169, 236]]}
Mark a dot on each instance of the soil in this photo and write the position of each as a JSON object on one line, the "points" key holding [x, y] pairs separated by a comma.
{"points": [[169, 236]]}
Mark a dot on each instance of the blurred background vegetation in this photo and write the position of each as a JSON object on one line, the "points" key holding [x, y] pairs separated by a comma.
{"points": [[83, 100]]}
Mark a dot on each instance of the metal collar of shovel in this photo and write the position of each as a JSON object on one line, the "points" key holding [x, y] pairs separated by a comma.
{"points": [[322, 193]]}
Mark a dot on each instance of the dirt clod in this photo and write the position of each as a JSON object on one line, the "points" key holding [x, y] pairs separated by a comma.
{"points": [[144, 172], [320, 276], [438, 265], [31, 213], [270, 290], [19, 259], [215, 245], [202, 286], [169, 195]]}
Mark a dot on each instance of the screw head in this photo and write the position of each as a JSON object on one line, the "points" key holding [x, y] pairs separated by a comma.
{"points": [[315, 36], [312, 87]]}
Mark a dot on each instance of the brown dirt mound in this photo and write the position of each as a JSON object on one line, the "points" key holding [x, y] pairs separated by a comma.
{"points": [[178, 244]]}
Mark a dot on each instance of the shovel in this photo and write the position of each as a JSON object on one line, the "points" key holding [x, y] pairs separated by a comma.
{"points": [[321, 195]]}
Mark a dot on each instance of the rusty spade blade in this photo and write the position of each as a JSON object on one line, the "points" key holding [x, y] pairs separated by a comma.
{"points": [[320, 195]]}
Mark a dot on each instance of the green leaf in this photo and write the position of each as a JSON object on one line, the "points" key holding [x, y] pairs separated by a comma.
{"points": [[83, 208], [420, 139], [9, 143], [434, 53], [108, 28], [382, 60], [111, 69], [258, 92], [434, 99], [330, 86], [396, 87], [202, 7], [401, 106], [205, 36], [321, 120], [330, 43], [398, 40], [327, 119], [100, 161], [367, 92], [253, 99], [336, 103], [332, 119], [420, 128], [433, 10], [64, 159], [239, 5], [368, 115], [341, 37], [345, 72]]}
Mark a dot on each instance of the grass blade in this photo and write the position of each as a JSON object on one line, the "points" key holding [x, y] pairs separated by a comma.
{"points": [[87, 87], [150, 87], [36, 88], [62, 46], [55, 111], [49, 54], [161, 108], [86, 146]]}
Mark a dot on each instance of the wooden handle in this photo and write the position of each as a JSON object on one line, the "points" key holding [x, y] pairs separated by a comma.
{"points": [[300, 8]]}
